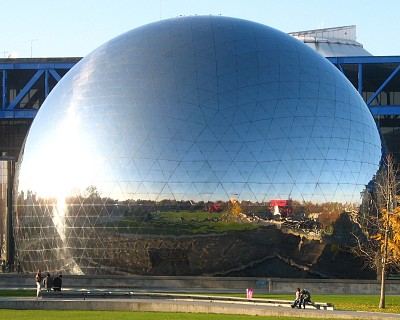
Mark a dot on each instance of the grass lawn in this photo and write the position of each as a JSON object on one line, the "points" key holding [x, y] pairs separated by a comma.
{"points": [[343, 302], [122, 315], [349, 302]]}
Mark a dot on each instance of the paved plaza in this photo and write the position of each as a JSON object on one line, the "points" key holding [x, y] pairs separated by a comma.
{"points": [[151, 302]]}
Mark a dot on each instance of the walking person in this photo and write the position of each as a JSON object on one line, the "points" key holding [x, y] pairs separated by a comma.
{"points": [[48, 282], [38, 279], [19, 268]]}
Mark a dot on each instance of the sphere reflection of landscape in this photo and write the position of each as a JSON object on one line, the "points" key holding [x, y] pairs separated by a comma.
{"points": [[167, 151]]}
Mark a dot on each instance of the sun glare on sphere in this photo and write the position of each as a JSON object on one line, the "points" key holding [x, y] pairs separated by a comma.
{"points": [[69, 151]]}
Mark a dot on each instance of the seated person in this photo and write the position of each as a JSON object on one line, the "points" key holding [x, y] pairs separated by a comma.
{"points": [[297, 300], [305, 298], [48, 282], [57, 283]]}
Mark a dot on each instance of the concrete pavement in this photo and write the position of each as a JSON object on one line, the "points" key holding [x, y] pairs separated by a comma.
{"points": [[187, 306]]}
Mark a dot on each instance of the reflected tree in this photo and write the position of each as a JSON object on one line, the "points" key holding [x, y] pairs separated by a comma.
{"points": [[91, 192]]}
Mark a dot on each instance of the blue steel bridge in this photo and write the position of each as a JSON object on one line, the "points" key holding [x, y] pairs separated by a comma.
{"points": [[25, 84]]}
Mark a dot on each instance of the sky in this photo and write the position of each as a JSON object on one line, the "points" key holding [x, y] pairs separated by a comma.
{"points": [[74, 28]]}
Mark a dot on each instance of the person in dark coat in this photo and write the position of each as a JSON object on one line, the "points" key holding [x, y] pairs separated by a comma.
{"points": [[57, 283], [305, 298], [48, 282]]}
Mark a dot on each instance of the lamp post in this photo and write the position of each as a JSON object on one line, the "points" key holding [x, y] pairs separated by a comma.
{"points": [[31, 41]]}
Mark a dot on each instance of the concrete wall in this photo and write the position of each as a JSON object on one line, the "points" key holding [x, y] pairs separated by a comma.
{"points": [[207, 284]]}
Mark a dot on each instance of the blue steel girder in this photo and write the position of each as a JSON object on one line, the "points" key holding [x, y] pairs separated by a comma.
{"points": [[25, 90], [50, 68], [383, 85], [360, 78], [36, 65], [12, 109], [385, 110], [361, 61], [55, 74], [18, 114], [4, 90]]}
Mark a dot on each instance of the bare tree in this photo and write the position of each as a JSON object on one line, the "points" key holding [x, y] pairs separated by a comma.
{"points": [[378, 242]]}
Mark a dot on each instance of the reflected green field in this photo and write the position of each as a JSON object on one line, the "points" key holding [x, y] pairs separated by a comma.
{"points": [[182, 223]]}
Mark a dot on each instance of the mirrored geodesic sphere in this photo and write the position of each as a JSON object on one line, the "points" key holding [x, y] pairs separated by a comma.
{"points": [[155, 153]]}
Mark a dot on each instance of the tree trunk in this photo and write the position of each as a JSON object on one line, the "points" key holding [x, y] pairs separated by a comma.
{"points": [[383, 279], [383, 273]]}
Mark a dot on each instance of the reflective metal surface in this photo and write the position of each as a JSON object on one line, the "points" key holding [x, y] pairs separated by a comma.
{"points": [[154, 152]]}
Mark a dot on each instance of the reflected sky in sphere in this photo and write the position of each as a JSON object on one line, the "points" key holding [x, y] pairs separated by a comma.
{"points": [[203, 108], [143, 136]]}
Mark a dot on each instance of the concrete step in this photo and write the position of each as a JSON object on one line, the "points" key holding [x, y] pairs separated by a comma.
{"points": [[103, 294]]}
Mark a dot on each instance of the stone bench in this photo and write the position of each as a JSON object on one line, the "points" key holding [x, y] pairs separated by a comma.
{"points": [[102, 294], [84, 294]]}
